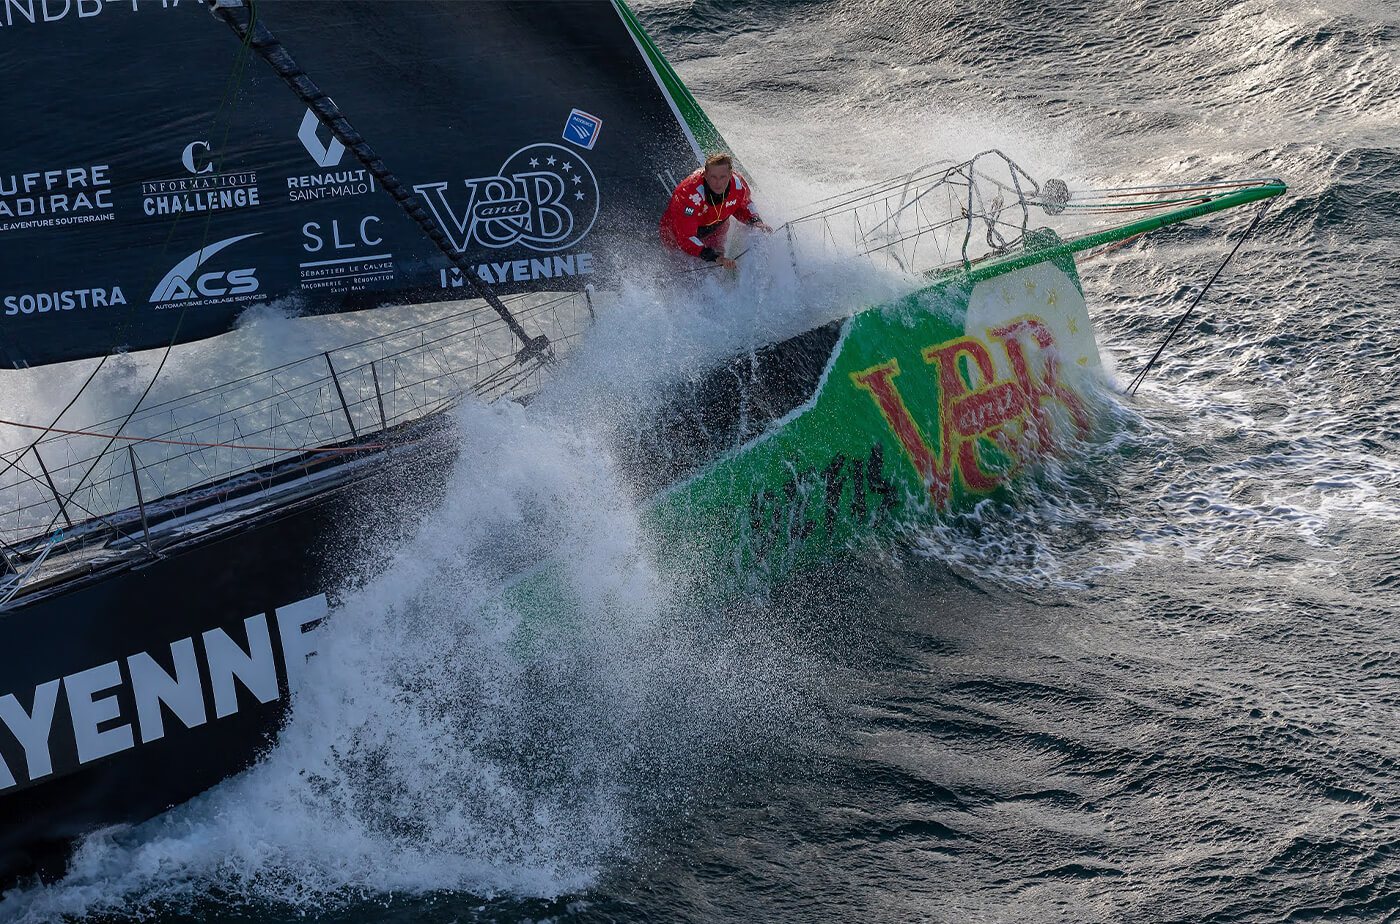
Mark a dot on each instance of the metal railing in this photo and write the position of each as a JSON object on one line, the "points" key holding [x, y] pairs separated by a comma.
{"points": [[931, 218], [344, 394], [942, 216]]}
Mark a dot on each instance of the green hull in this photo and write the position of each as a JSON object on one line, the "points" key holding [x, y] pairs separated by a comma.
{"points": [[927, 405]]}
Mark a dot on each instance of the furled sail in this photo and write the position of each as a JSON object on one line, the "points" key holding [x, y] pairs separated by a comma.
{"points": [[167, 179]]}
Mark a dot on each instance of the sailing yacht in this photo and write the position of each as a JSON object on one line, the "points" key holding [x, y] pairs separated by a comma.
{"points": [[480, 175]]}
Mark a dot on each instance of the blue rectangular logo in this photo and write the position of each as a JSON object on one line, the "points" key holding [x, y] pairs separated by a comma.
{"points": [[582, 129]]}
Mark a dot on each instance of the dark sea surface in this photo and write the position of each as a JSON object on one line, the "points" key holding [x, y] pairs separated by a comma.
{"points": [[1161, 684]]}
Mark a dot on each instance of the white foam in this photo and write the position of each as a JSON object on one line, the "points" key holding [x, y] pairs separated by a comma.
{"points": [[438, 746]]}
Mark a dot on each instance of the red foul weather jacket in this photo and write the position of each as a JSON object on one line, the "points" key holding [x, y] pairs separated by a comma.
{"points": [[694, 225]]}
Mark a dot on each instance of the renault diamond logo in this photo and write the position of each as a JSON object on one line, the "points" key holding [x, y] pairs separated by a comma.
{"points": [[326, 155]]}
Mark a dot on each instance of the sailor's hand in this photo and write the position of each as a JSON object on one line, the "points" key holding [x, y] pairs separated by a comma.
{"points": [[763, 226], [727, 263]]}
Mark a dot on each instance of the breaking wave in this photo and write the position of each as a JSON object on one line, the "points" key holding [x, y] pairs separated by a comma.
{"points": [[452, 736]]}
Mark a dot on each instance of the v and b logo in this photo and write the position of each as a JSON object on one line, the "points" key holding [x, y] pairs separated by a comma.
{"points": [[544, 197]]}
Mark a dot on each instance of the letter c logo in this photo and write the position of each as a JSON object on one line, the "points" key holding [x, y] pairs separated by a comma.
{"points": [[188, 158]]}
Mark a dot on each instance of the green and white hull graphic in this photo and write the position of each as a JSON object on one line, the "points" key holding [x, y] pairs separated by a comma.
{"points": [[927, 405], [705, 138]]}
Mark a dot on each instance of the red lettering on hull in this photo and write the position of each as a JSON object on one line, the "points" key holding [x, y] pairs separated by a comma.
{"points": [[1011, 414], [931, 468]]}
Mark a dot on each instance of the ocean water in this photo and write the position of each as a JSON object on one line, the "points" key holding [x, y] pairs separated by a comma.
{"points": [[1162, 685]]}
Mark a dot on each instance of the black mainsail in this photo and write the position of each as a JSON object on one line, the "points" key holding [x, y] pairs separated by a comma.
{"points": [[164, 199]]}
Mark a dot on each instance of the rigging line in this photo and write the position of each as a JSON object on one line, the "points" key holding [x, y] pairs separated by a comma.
{"points": [[1102, 201], [494, 378], [153, 439], [242, 17], [736, 257], [229, 87], [1140, 207], [1112, 191], [197, 492], [870, 190], [18, 580], [1102, 251], [46, 489], [502, 385], [1141, 376], [931, 183]]}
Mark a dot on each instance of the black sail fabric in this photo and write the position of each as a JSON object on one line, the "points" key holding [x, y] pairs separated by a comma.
{"points": [[165, 180]]}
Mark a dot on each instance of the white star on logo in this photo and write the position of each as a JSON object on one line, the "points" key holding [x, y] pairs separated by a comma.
{"points": [[577, 179], [534, 162], [550, 161], [579, 195], [568, 166]]}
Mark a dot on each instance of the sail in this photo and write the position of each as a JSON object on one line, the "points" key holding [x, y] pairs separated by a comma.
{"points": [[166, 179]]}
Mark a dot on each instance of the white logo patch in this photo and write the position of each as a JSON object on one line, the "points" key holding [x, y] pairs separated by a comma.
{"points": [[545, 197], [325, 155], [181, 283]]}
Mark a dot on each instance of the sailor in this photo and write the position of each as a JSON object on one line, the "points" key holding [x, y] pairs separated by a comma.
{"points": [[697, 220]]}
